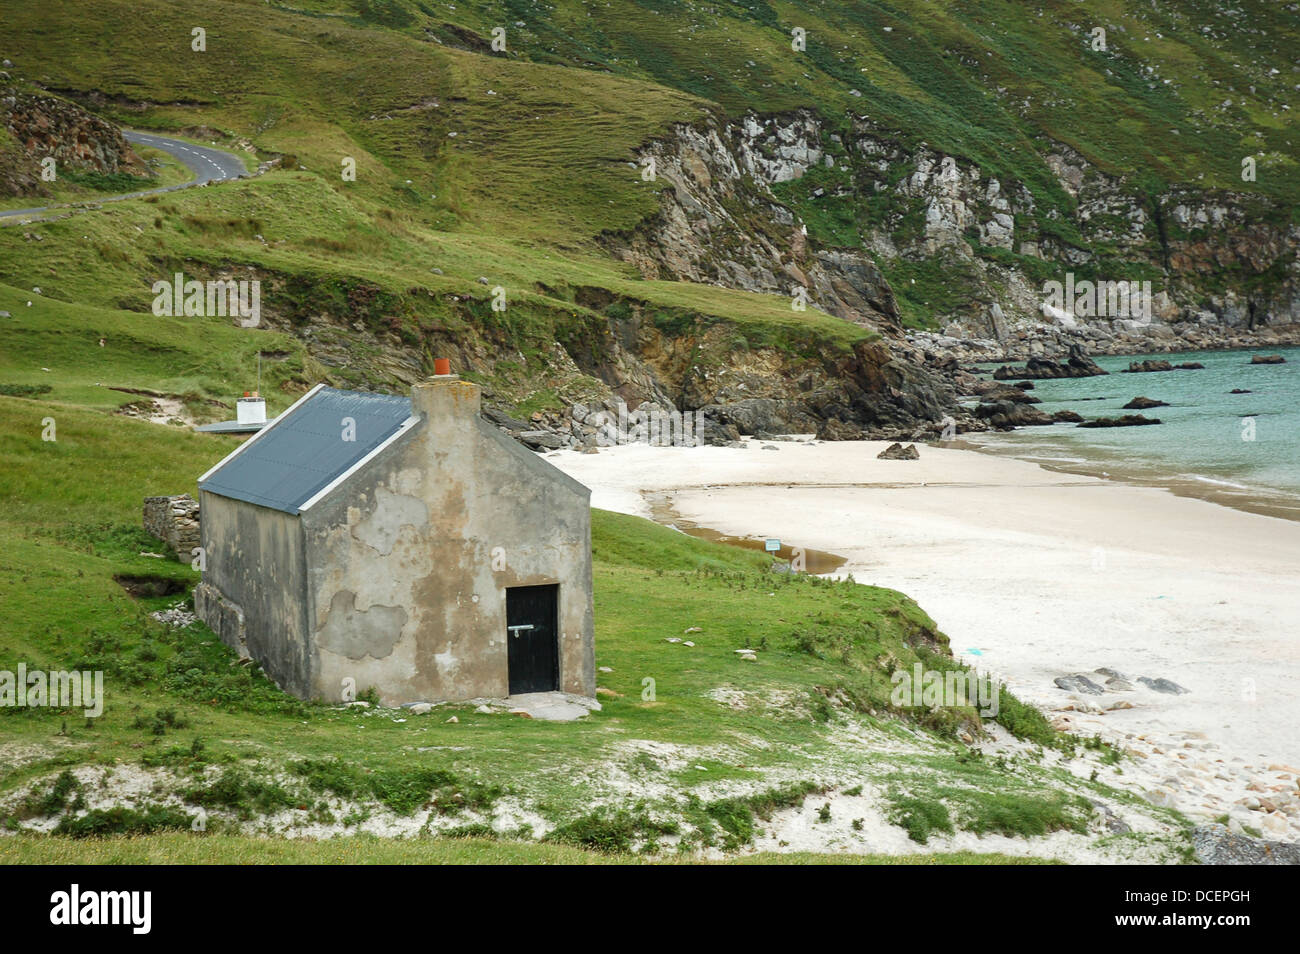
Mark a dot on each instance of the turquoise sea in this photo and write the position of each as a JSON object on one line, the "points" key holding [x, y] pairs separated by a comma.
{"points": [[1241, 450]]}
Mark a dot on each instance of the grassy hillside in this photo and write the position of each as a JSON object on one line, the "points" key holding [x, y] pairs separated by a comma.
{"points": [[722, 746], [507, 165], [478, 168]]}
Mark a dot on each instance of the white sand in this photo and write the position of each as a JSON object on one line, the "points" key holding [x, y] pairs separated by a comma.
{"points": [[1033, 575]]}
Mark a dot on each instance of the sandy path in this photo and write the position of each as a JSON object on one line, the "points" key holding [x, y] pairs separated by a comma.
{"points": [[1034, 574]]}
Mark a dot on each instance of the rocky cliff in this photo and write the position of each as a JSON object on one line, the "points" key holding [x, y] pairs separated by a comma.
{"points": [[974, 254], [42, 126]]}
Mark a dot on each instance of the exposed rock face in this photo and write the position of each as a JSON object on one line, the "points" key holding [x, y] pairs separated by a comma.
{"points": [[1208, 248], [46, 126], [719, 222], [836, 430]]}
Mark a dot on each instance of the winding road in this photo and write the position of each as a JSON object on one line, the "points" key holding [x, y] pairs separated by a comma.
{"points": [[207, 164]]}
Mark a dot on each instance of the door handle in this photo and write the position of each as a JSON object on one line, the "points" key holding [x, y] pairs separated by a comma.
{"points": [[515, 630]]}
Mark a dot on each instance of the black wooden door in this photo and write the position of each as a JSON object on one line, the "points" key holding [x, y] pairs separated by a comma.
{"points": [[533, 649]]}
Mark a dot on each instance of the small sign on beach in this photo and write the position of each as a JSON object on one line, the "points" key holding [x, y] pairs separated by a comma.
{"points": [[771, 544]]}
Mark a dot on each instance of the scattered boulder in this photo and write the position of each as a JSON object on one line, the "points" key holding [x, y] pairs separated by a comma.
{"points": [[1153, 364], [1167, 686], [1141, 367], [1267, 359], [1015, 395], [1078, 683], [1128, 420], [899, 452], [1008, 414], [1143, 404], [1068, 417], [1078, 365], [541, 440], [1240, 391]]}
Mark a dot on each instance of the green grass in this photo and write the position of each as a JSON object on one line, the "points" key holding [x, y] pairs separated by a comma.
{"points": [[365, 282], [236, 850], [537, 168], [222, 739]]}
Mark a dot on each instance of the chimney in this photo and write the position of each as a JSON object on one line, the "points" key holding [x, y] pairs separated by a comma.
{"points": [[251, 409], [446, 400]]}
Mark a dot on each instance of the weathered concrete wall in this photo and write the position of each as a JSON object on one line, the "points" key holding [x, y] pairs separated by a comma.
{"points": [[254, 589], [410, 559]]}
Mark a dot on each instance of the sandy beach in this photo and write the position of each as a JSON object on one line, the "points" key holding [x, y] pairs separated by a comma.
{"points": [[1033, 575]]}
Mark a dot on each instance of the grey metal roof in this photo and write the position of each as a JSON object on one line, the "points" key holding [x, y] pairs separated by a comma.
{"points": [[232, 427], [289, 462]]}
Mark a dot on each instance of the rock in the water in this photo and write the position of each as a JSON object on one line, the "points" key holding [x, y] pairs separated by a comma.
{"points": [[1016, 395], [1216, 845], [1128, 420], [1079, 365], [899, 452], [1068, 417], [1166, 686], [1143, 404], [1241, 391], [1267, 359], [1078, 683], [1008, 414], [1139, 367]]}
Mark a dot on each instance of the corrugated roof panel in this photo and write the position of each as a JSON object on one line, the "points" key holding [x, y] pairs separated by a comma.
{"points": [[291, 461]]}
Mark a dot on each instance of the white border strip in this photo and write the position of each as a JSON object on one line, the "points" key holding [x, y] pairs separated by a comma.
{"points": [[248, 443], [407, 424]]}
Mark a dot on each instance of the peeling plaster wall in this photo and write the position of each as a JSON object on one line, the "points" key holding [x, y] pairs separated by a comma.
{"points": [[254, 589], [411, 556]]}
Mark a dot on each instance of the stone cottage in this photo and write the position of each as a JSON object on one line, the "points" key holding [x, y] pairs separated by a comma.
{"points": [[370, 540]]}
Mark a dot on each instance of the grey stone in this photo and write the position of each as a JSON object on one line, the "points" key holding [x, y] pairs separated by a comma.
{"points": [[1166, 686], [1078, 683], [1216, 845], [899, 452]]}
